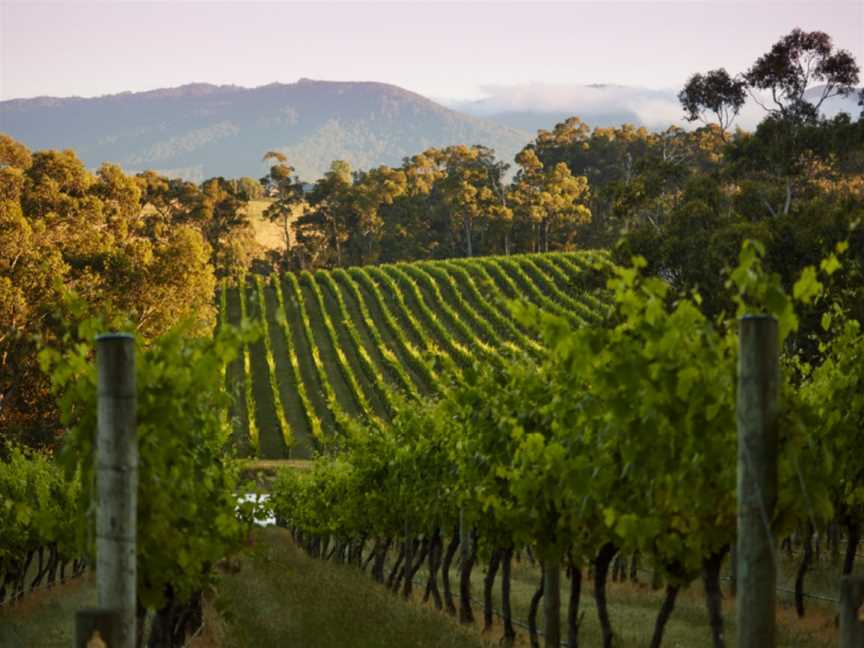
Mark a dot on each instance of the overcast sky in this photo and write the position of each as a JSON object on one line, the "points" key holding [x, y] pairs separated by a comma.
{"points": [[442, 50]]}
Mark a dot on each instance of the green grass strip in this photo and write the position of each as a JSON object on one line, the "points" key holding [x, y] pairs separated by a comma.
{"points": [[460, 354], [287, 432], [418, 363], [281, 317], [577, 265], [545, 282], [367, 366], [329, 395], [344, 367], [392, 362], [247, 372], [235, 379], [504, 325], [534, 294], [435, 275], [379, 276], [549, 265]]}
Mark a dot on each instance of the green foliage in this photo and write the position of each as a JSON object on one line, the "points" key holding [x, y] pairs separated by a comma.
{"points": [[39, 508], [187, 517], [622, 435]]}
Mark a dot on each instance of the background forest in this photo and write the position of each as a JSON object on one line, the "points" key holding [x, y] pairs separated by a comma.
{"points": [[151, 248]]}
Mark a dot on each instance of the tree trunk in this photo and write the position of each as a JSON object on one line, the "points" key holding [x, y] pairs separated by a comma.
{"points": [[506, 613], [445, 571], [601, 571], [395, 570], [552, 603], [376, 548], [414, 567], [434, 565], [22, 579], [665, 613], [174, 621], [488, 584], [532, 611], [140, 625], [410, 547], [573, 606], [733, 570], [380, 559], [634, 567], [788, 202], [54, 562], [713, 597], [466, 615], [802, 571], [853, 538], [40, 572], [833, 540]]}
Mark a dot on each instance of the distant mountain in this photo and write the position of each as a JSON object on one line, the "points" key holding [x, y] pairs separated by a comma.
{"points": [[201, 130]]}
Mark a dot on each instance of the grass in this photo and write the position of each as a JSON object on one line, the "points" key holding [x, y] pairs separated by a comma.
{"points": [[268, 234], [46, 619], [275, 595], [280, 597]]}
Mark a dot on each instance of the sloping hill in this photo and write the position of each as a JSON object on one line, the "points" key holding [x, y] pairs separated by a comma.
{"points": [[340, 343], [202, 130]]}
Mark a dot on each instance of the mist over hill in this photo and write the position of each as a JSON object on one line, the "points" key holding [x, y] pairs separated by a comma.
{"points": [[534, 106], [202, 130]]}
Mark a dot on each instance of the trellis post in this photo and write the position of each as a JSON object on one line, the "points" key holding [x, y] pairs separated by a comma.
{"points": [[757, 416]]}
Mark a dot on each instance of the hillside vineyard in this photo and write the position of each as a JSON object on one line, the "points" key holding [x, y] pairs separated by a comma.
{"points": [[347, 342]]}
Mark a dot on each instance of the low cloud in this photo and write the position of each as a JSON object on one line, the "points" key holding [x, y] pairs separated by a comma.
{"points": [[609, 104]]}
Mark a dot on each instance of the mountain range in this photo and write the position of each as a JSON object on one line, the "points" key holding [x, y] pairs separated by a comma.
{"points": [[201, 130]]}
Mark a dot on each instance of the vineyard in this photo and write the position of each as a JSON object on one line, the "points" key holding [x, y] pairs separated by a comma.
{"points": [[346, 343]]}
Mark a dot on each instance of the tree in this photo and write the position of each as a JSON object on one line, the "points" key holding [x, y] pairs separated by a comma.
{"points": [[714, 92], [547, 197], [372, 190], [283, 184], [322, 229], [796, 62], [64, 229]]}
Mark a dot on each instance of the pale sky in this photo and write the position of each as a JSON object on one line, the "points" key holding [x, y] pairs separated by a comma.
{"points": [[443, 50]]}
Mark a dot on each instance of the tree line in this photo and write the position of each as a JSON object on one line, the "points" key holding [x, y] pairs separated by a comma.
{"points": [[151, 246]]}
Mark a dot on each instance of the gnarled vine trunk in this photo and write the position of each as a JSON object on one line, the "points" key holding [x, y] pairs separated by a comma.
{"points": [[488, 584], [575, 574], [601, 571], [806, 559], [445, 571], [506, 612], [713, 597], [532, 610]]}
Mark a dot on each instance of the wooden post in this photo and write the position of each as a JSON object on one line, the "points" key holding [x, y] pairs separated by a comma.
{"points": [[757, 414], [117, 480], [851, 619], [552, 602]]}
